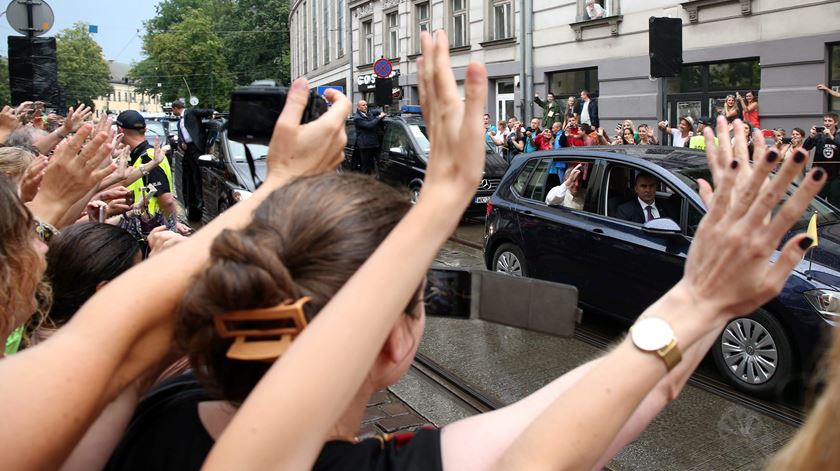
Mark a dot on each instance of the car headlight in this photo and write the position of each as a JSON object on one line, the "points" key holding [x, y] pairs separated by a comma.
{"points": [[826, 302], [241, 195]]}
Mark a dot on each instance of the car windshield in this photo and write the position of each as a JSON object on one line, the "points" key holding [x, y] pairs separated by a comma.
{"points": [[419, 133], [155, 129], [825, 213], [237, 151]]}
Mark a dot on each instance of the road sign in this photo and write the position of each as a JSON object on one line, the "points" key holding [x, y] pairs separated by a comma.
{"points": [[18, 15], [323, 89], [382, 68], [193, 100]]}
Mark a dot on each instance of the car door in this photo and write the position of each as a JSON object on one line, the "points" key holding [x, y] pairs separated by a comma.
{"points": [[397, 155], [557, 240], [634, 267]]}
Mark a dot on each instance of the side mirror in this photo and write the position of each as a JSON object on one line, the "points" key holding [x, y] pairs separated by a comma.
{"points": [[398, 151], [662, 227], [208, 160]]}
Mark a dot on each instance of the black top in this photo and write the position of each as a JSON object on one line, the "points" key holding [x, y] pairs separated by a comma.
{"points": [[157, 176], [827, 153], [366, 129], [166, 433]]}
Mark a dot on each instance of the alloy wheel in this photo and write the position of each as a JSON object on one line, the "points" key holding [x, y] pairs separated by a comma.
{"points": [[508, 264], [749, 351]]}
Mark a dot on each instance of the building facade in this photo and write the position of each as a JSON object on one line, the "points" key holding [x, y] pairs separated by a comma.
{"points": [[780, 48], [124, 96]]}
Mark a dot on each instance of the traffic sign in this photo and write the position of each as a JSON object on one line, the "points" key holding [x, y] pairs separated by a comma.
{"points": [[382, 68], [18, 14], [323, 89]]}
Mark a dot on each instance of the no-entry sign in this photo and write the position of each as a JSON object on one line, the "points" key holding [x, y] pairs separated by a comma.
{"points": [[382, 68]]}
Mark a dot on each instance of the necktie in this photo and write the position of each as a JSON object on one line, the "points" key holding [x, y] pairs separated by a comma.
{"points": [[649, 208]]}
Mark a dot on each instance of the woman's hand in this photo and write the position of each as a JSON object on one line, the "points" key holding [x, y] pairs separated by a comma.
{"points": [[160, 239], [456, 158], [728, 268], [312, 148], [32, 177]]}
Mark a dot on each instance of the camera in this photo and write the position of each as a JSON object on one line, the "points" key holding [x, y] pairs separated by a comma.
{"points": [[819, 129], [786, 140], [254, 110]]}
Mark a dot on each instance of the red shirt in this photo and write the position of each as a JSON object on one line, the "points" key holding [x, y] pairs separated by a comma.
{"points": [[542, 143]]}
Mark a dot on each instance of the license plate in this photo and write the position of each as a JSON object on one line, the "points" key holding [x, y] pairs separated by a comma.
{"points": [[482, 199]]}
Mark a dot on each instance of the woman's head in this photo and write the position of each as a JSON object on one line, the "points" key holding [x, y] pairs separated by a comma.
{"points": [[306, 239], [627, 136], [730, 100], [13, 162], [81, 259], [750, 96], [21, 260], [798, 134]]}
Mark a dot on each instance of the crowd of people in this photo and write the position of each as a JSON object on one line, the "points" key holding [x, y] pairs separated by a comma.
{"points": [[256, 342]]}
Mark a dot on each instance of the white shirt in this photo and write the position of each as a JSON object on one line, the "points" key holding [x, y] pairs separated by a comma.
{"points": [[678, 140], [653, 209], [584, 114], [184, 131], [595, 11], [560, 196]]}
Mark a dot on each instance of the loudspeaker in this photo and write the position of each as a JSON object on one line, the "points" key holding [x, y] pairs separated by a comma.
{"points": [[33, 70], [665, 46], [383, 94]]}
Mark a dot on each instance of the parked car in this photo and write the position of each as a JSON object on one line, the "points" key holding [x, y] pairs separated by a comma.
{"points": [[402, 158], [621, 267]]}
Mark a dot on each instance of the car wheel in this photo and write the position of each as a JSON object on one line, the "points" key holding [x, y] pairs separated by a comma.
{"points": [[754, 354], [414, 194], [510, 260]]}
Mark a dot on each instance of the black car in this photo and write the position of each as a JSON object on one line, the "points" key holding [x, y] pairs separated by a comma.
{"points": [[621, 267], [401, 160]]}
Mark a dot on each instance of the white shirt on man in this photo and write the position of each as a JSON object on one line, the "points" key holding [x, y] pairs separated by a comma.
{"points": [[186, 134], [653, 209], [678, 139], [584, 114], [561, 196]]}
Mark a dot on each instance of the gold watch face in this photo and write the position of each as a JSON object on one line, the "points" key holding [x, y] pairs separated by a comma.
{"points": [[651, 334]]}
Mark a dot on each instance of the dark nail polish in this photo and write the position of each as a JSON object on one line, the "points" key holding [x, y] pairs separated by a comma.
{"points": [[818, 174], [799, 157], [805, 243], [772, 156], [733, 165]]}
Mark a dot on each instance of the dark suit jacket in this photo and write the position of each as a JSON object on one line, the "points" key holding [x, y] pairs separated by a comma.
{"points": [[366, 129], [632, 211], [593, 112], [192, 121]]}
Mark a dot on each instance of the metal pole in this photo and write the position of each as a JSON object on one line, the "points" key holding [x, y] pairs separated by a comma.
{"points": [[30, 19], [349, 21], [523, 51], [528, 58]]}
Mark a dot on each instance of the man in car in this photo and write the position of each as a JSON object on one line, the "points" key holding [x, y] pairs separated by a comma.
{"points": [[367, 139], [568, 194], [192, 140], [642, 208]]}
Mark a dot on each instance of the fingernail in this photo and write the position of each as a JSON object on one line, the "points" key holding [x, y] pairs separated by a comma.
{"points": [[818, 174], [772, 155], [799, 157], [805, 243], [733, 165]]}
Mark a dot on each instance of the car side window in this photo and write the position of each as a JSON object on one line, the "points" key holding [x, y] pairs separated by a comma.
{"points": [[622, 197], [396, 140], [535, 189], [350, 129], [693, 220], [524, 175]]}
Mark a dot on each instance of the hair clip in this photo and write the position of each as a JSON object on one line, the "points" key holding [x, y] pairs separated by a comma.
{"points": [[262, 334]]}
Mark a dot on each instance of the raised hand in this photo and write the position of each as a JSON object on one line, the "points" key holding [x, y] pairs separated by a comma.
{"points": [[32, 177], [456, 158], [76, 118], [8, 122], [311, 148], [160, 239]]}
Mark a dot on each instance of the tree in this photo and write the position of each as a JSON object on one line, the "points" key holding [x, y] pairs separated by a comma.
{"points": [[82, 69], [5, 86]]}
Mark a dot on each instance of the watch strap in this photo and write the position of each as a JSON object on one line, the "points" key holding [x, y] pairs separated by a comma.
{"points": [[670, 354]]}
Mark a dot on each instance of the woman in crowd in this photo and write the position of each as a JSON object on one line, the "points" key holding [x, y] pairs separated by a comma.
{"points": [[749, 105], [571, 103], [730, 109], [627, 136], [797, 137]]}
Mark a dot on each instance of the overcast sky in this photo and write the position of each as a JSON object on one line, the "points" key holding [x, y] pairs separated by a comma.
{"points": [[118, 23]]}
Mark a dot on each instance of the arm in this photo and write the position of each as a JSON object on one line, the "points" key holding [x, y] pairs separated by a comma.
{"points": [[831, 92], [75, 119], [307, 388], [555, 195], [70, 395], [539, 102], [366, 123], [556, 439]]}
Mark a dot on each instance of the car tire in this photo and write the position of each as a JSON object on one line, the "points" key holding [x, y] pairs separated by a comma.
{"points": [[755, 355], [510, 260]]}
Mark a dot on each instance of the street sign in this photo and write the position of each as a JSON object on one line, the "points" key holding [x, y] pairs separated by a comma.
{"points": [[18, 15], [323, 89], [382, 68], [193, 100]]}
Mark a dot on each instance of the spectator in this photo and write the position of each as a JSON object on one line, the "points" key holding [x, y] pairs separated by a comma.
{"points": [[587, 110], [489, 129], [828, 90], [530, 134], [14, 162], [627, 136], [698, 141], [500, 139], [826, 144], [571, 106], [574, 136], [680, 134], [749, 105], [647, 136], [367, 138], [511, 123], [516, 141], [545, 140], [796, 140], [551, 110], [568, 194], [557, 130], [594, 10], [730, 109]]}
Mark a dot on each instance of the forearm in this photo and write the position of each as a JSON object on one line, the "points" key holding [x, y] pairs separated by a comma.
{"points": [[253, 434], [47, 143]]}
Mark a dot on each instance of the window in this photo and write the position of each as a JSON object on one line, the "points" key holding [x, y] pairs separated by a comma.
{"points": [[550, 173], [459, 27], [570, 83], [701, 89], [392, 38], [422, 19], [834, 76], [396, 141], [327, 29], [597, 9], [367, 42], [339, 47], [620, 192], [501, 14]]}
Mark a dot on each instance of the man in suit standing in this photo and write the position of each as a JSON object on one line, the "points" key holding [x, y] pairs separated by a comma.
{"points": [[192, 140], [367, 139], [587, 110], [642, 208]]}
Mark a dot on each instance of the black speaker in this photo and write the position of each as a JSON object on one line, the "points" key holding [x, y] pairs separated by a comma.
{"points": [[665, 47], [383, 94], [33, 70]]}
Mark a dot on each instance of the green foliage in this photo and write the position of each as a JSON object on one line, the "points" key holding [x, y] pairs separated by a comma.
{"points": [[5, 87], [214, 45], [82, 69]]}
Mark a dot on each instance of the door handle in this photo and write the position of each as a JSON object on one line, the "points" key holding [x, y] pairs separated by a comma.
{"points": [[598, 230], [528, 212]]}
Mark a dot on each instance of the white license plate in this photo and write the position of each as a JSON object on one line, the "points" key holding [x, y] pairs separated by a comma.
{"points": [[482, 199]]}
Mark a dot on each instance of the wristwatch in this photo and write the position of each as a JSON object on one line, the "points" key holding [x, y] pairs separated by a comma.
{"points": [[654, 335], [45, 230]]}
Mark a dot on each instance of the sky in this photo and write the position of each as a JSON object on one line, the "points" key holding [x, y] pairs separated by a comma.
{"points": [[118, 23]]}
